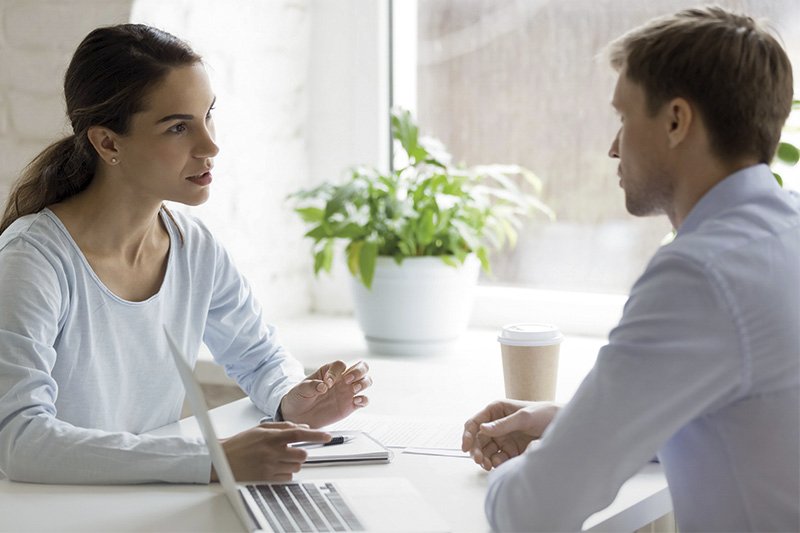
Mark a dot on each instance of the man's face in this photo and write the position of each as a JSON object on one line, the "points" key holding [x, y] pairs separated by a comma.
{"points": [[641, 145]]}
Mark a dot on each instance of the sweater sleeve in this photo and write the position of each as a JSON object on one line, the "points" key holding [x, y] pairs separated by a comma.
{"points": [[243, 343], [35, 446]]}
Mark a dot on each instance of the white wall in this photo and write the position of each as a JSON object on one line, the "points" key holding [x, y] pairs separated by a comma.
{"points": [[349, 123], [37, 39]]}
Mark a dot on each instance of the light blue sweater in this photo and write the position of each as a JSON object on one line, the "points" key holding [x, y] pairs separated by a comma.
{"points": [[83, 372]]}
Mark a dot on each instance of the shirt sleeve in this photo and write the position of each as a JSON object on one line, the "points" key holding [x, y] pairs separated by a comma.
{"points": [[36, 446], [243, 343], [674, 356]]}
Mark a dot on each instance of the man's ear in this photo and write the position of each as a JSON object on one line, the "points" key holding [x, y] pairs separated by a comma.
{"points": [[679, 120], [105, 143]]}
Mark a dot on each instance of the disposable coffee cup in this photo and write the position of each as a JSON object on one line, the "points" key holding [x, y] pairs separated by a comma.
{"points": [[530, 360]]}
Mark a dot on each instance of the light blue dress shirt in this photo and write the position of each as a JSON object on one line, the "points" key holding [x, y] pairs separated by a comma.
{"points": [[703, 369], [83, 372]]}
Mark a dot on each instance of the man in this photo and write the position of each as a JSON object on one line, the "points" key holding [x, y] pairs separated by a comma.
{"points": [[703, 369]]}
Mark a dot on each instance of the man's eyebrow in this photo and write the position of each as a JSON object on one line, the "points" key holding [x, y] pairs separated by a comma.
{"points": [[179, 116]]}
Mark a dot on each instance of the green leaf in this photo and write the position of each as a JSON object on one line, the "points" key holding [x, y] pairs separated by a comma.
{"points": [[788, 153], [311, 214], [318, 233], [353, 256], [327, 256], [511, 233], [405, 130], [349, 231], [778, 178], [450, 261], [483, 257], [366, 262], [426, 228], [323, 257]]}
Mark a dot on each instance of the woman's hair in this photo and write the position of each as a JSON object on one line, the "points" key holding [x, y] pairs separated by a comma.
{"points": [[110, 74], [731, 68]]}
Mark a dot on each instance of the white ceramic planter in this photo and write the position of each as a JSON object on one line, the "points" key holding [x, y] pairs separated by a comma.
{"points": [[419, 307]]}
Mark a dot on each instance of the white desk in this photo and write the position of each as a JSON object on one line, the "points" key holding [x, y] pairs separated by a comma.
{"points": [[453, 385]]}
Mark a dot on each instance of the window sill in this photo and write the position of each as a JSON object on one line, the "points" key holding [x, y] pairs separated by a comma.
{"points": [[575, 313]]}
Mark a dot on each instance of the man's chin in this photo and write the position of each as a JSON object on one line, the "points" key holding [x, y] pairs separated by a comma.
{"points": [[642, 209]]}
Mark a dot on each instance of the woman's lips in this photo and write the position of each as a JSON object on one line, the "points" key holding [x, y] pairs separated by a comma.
{"points": [[201, 179]]}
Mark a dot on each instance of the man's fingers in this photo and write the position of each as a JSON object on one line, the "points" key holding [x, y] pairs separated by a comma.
{"points": [[466, 440], [490, 448], [503, 426], [499, 458]]}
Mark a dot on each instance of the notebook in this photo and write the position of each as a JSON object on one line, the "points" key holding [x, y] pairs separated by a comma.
{"points": [[356, 504], [359, 448]]}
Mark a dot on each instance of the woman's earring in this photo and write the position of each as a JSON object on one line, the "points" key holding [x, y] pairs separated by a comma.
{"points": [[114, 160]]}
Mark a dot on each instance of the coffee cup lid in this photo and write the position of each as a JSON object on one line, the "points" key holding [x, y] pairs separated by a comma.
{"points": [[530, 334]]}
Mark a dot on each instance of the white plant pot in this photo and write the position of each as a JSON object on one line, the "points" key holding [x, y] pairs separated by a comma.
{"points": [[419, 307]]}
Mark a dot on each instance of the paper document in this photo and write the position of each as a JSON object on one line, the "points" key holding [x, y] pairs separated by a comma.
{"points": [[419, 434]]}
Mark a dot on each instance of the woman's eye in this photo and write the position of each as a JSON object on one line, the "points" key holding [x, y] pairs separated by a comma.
{"points": [[208, 115], [178, 128]]}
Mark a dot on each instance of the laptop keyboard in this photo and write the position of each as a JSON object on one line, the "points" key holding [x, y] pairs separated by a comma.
{"points": [[289, 507]]}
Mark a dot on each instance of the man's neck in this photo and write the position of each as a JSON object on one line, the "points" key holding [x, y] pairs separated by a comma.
{"points": [[699, 178]]}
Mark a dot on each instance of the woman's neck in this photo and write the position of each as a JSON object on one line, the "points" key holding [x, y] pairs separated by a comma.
{"points": [[107, 225]]}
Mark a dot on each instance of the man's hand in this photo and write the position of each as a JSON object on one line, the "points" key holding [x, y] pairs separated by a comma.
{"points": [[263, 453], [504, 429], [329, 394]]}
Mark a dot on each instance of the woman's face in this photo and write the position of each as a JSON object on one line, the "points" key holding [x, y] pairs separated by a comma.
{"points": [[169, 149]]}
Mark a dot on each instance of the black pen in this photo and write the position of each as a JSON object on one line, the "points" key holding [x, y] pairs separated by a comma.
{"points": [[340, 439]]}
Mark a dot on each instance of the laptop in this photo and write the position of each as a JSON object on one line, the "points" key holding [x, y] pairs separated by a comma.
{"points": [[356, 504]]}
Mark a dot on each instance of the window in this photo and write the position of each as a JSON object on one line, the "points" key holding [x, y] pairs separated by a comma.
{"points": [[504, 81]]}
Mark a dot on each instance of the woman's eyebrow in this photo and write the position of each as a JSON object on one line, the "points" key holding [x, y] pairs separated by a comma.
{"points": [[180, 116], [175, 117]]}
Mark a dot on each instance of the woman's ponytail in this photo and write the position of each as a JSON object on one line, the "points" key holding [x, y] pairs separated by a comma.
{"points": [[61, 170]]}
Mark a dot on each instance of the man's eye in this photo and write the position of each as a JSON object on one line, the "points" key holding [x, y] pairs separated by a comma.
{"points": [[178, 128]]}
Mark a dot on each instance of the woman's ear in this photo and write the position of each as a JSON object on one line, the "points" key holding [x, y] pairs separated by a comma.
{"points": [[679, 120], [104, 142]]}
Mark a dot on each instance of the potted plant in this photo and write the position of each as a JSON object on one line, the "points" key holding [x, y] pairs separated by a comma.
{"points": [[416, 237], [787, 153]]}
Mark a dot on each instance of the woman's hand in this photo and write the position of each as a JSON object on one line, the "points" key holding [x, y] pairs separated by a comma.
{"points": [[329, 394], [263, 453], [504, 429]]}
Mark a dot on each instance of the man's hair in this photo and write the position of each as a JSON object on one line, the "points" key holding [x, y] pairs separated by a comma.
{"points": [[729, 67]]}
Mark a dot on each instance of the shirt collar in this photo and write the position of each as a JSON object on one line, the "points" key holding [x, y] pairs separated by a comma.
{"points": [[736, 189]]}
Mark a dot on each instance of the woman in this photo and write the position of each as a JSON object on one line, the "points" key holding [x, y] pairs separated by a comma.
{"points": [[92, 264]]}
